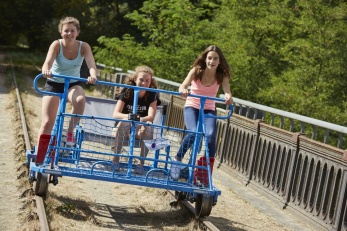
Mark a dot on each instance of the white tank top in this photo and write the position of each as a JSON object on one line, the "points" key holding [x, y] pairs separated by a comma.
{"points": [[64, 66]]}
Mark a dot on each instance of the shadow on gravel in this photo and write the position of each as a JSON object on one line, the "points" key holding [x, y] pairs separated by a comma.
{"points": [[138, 217], [71, 208], [226, 225], [133, 218], [120, 217]]}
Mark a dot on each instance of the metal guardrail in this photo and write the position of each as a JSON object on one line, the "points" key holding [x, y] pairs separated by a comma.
{"points": [[322, 131], [257, 111], [301, 174], [305, 176]]}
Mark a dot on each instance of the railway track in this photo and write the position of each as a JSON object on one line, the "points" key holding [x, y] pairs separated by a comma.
{"points": [[203, 223], [40, 207], [39, 204]]}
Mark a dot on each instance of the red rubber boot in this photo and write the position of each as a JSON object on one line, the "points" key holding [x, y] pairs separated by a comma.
{"points": [[42, 148], [201, 175]]}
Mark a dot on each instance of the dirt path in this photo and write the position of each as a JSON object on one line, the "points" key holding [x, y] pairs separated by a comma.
{"points": [[9, 202], [79, 204]]}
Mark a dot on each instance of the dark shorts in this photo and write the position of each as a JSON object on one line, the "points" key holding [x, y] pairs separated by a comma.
{"points": [[55, 87]]}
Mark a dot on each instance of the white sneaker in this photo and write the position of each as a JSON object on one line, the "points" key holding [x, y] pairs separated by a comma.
{"points": [[176, 170]]}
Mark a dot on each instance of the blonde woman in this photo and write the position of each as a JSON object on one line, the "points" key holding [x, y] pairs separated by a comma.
{"points": [[65, 57], [146, 108]]}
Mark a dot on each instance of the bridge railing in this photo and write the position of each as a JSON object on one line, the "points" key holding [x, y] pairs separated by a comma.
{"points": [[322, 131], [289, 158], [327, 133]]}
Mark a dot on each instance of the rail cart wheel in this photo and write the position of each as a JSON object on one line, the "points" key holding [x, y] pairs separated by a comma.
{"points": [[41, 186], [203, 205]]}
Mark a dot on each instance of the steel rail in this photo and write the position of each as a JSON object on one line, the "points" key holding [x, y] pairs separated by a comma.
{"points": [[39, 201], [203, 223]]}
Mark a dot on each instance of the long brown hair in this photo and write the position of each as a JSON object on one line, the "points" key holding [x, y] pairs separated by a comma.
{"points": [[131, 80], [223, 69]]}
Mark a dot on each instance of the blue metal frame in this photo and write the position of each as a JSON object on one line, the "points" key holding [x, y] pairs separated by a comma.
{"points": [[112, 176]]}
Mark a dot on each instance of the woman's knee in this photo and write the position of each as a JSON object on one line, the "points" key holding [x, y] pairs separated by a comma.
{"points": [[144, 133], [77, 95], [210, 136], [122, 129], [189, 138], [79, 102]]}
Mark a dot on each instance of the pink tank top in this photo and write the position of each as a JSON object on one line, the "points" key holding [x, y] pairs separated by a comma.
{"points": [[197, 88]]}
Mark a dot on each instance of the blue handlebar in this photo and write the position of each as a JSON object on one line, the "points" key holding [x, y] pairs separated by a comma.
{"points": [[231, 109], [67, 82], [68, 78]]}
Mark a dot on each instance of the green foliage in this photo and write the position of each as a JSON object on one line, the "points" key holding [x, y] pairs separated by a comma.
{"points": [[114, 48], [7, 18], [173, 31], [312, 82], [286, 54], [106, 18], [37, 20]]}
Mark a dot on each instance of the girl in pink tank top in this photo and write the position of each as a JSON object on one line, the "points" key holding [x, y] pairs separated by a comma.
{"points": [[210, 70]]}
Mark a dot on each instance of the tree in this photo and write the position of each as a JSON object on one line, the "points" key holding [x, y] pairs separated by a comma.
{"points": [[172, 31], [286, 54], [7, 23], [314, 82]]}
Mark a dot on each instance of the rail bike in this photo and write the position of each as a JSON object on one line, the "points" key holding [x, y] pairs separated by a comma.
{"points": [[92, 153]]}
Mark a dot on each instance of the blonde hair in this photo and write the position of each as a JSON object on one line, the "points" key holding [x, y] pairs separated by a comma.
{"points": [[68, 20], [131, 80], [143, 69]]}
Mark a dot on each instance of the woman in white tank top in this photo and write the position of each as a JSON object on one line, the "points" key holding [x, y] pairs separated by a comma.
{"points": [[65, 57]]}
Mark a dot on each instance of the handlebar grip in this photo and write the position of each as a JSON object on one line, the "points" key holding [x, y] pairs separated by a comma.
{"points": [[43, 92]]}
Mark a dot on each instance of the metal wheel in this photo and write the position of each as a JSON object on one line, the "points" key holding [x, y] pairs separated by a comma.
{"points": [[41, 186], [203, 205]]}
